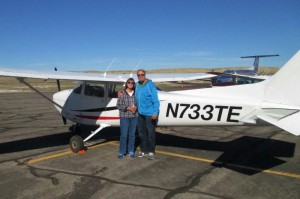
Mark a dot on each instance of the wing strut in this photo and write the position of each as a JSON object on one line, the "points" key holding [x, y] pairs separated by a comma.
{"points": [[102, 126], [38, 92]]}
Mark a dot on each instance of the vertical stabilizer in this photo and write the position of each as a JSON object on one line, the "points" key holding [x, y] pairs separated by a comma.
{"points": [[255, 64], [256, 61], [281, 101], [281, 88]]}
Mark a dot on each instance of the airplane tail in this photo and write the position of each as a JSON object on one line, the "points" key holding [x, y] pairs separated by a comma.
{"points": [[256, 61], [255, 64], [280, 86], [281, 101]]}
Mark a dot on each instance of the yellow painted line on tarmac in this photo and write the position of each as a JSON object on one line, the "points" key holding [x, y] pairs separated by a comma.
{"points": [[185, 156], [32, 161], [116, 143], [293, 175]]}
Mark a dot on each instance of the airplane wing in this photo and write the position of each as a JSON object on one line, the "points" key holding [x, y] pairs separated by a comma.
{"points": [[175, 77], [59, 75], [256, 77]]}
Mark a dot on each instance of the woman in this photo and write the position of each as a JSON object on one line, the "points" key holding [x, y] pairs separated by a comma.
{"points": [[128, 119]]}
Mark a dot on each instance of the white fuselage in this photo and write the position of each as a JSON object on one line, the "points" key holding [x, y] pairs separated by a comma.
{"points": [[180, 108]]}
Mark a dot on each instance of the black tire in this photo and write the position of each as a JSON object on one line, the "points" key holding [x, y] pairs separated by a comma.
{"points": [[76, 143]]}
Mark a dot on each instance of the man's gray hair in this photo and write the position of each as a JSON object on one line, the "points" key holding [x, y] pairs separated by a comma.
{"points": [[141, 70]]}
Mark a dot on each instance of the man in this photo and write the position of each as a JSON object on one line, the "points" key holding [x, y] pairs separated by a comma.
{"points": [[148, 109]]}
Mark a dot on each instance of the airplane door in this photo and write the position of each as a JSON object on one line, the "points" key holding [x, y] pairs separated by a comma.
{"points": [[94, 96], [88, 101], [87, 96]]}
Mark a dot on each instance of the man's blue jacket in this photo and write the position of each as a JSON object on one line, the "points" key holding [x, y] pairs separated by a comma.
{"points": [[147, 98]]}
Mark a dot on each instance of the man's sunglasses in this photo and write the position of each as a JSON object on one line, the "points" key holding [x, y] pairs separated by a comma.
{"points": [[140, 75]]}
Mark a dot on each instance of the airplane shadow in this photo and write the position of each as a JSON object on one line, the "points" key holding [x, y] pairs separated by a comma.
{"points": [[58, 139], [35, 143], [247, 155]]}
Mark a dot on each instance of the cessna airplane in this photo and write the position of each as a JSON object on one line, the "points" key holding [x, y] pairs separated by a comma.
{"points": [[93, 101], [234, 77]]}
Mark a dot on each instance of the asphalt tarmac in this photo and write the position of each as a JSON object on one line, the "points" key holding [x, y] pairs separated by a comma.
{"points": [[199, 162]]}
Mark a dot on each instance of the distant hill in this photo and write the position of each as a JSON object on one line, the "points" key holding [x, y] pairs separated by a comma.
{"points": [[263, 70]]}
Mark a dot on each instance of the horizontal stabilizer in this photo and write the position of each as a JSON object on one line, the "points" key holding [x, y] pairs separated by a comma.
{"points": [[289, 123]]}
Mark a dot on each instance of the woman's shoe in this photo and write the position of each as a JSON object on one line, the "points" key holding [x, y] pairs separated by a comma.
{"points": [[132, 155], [120, 156]]}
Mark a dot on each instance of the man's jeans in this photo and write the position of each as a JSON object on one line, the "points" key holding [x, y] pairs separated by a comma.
{"points": [[146, 129], [128, 128]]}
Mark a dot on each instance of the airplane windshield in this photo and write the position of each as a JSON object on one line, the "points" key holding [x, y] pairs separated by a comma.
{"points": [[78, 89], [94, 89]]}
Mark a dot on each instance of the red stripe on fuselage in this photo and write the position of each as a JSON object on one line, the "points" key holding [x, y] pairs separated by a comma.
{"points": [[98, 117]]}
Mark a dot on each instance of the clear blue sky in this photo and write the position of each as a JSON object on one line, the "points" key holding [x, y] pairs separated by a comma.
{"points": [[89, 34]]}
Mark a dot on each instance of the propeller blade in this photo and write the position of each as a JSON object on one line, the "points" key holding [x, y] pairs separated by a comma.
{"points": [[57, 81]]}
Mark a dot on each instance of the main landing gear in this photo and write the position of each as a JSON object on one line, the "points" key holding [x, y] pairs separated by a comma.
{"points": [[77, 142]]}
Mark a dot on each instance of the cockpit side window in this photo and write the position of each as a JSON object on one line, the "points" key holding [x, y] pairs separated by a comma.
{"points": [[93, 89], [78, 89], [98, 91], [113, 90], [88, 90]]}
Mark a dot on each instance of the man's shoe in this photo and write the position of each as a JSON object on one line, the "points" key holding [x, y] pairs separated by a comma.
{"points": [[141, 154], [151, 156]]}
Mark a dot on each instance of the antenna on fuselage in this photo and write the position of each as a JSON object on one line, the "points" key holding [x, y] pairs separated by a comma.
{"points": [[114, 59], [135, 68]]}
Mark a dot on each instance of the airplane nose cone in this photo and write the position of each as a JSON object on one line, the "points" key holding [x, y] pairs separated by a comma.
{"points": [[60, 98]]}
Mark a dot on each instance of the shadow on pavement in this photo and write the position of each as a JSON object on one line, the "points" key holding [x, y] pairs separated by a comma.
{"points": [[243, 154], [57, 139], [248, 155]]}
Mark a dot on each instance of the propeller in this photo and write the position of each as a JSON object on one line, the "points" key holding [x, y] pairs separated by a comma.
{"points": [[58, 86], [57, 81]]}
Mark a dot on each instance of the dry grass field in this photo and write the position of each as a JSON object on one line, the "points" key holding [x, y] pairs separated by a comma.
{"points": [[262, 70], [13, 85]]}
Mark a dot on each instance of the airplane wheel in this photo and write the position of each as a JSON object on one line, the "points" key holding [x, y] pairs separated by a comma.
{"points": [[76, 143]]}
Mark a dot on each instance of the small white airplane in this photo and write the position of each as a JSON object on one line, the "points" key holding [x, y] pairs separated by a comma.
{"points": [[242, 76], [93, 101], [253, 70]]}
